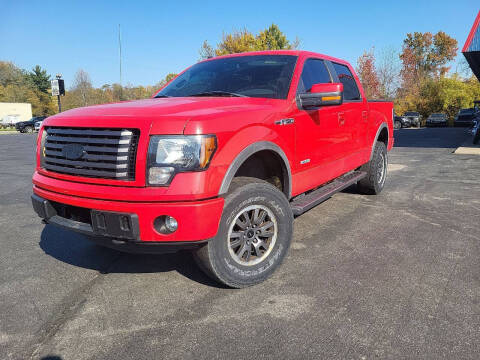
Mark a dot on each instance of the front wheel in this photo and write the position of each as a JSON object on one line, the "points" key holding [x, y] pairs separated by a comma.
{"points": [[254, 235], [397, 125], [376, 170], [28, 129]]}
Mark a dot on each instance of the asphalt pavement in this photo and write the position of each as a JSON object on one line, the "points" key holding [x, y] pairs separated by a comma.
{"points": [[389, 276]]}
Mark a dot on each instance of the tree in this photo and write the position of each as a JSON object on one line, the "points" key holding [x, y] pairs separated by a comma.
{"points": [[16, 85], [388, 71], [39, 79], [444, 95], [271, 38], [426, 55], [368, 75], [448, 95], [206, 51], [237, 42], [10, 74], [169, 77], [83, 86]]}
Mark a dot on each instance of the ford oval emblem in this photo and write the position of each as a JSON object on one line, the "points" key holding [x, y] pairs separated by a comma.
{"points": [[73, 151]]}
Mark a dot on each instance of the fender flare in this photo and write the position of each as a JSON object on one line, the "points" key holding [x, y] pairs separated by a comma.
{"points": [[249, 151], [380, 128]]}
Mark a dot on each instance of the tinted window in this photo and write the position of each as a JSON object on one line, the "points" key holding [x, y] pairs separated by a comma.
{"points": [[411, 113], [314, 72], [350, 89], [263, 76]]}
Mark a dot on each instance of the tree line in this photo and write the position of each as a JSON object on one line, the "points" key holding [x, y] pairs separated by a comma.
{"points": [[18, 85], [416, 78]]}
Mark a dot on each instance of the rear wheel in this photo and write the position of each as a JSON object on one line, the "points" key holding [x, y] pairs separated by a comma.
{"points": [[253, 237], [376, 170]]}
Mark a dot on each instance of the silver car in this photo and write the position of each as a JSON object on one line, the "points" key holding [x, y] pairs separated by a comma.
{"points": [[37, 125]]}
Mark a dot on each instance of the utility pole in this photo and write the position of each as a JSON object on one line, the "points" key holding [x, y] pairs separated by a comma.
{"points": [[120, 51]]}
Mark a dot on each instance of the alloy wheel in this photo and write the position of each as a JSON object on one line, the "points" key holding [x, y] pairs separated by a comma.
{"points": [[252, 235]]}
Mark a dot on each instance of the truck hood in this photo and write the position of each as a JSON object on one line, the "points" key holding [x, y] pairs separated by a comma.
{"points": [[161, 115]]}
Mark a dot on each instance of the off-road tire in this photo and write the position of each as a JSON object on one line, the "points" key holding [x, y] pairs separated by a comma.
{"points": [[216, 258], [373, 183]]}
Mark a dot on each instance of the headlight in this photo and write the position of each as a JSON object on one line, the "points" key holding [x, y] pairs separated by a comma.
{"points": [[41, 137], [168, 155]]}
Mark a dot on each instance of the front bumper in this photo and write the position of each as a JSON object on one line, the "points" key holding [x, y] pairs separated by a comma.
{"points": [[129, 223], [436, 123], [463, 123]]}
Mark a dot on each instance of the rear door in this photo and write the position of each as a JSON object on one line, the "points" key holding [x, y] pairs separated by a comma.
{"points": [[354, 112]]}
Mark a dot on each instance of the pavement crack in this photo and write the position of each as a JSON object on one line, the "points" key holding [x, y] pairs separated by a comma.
{"points": [[72, 303]]}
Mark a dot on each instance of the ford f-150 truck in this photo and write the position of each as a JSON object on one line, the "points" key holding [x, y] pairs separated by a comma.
{"points": [[219, 161]]}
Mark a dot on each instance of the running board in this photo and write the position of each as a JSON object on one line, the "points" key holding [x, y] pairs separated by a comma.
{"points": [[305, 202]]}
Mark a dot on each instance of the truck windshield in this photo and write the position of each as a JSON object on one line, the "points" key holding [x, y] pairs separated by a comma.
{"points": [[261, 76]]}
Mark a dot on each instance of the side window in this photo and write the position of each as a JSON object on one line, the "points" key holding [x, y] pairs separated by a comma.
{"points": [[350, 88], [314, 72]]}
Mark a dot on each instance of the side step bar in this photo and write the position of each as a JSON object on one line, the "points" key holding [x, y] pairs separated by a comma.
{"points": [[305, 202]]}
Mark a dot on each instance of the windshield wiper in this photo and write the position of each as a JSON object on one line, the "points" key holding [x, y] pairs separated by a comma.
{"points": [[161, 96], [218, 93]]}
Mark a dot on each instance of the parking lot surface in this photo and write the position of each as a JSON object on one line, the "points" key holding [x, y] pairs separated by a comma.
{"points": [[388, 276]]}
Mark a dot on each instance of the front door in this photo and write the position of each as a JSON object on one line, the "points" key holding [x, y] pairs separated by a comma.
{"points": [[320, 133]]}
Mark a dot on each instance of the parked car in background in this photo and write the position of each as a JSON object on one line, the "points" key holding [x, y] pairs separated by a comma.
{"points": [[414, 118], [476, 131], [38, 124], [29, 125], [437, 120], [401, 122], [465, 117]]}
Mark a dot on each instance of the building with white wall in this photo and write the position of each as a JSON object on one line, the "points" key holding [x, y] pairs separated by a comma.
{"points": [[11, 113]]}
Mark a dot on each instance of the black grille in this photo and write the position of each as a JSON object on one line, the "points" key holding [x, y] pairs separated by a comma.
{"points": [[72, 212], [92, 152]]}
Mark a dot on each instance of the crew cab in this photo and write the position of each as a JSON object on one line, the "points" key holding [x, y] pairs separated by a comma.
{"points": [[219, 161]]}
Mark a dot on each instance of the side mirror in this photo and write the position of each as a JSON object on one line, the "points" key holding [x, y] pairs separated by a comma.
{"points": [[321, 95]]}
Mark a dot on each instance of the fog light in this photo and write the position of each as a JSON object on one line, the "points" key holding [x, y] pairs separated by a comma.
{"points": [[165, 224], [171, 224], [159, 175]]}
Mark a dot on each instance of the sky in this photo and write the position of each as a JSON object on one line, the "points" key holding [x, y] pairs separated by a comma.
{"points": [[159, 37]]}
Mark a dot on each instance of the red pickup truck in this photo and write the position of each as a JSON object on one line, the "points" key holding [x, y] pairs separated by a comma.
{"points": [[219, 161]]}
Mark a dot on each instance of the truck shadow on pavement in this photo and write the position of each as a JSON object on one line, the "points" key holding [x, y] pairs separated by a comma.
{"points": [[75, 249]]}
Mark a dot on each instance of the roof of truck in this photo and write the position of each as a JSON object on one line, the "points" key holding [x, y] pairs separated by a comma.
{"points": [[299, 53]]}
